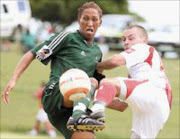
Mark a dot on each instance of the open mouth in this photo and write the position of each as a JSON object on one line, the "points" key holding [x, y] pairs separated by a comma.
{"points": [[89, 30]]}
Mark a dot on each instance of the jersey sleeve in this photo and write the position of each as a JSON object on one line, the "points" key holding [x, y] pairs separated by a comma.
{"points": [[45, 51], [136, 54]]}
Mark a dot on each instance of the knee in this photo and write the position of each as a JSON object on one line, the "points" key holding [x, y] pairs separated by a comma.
{"points": [[83, 135], [94, 82], [67, 103]]}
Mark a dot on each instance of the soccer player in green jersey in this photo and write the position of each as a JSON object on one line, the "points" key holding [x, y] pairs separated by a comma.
{"points": [[65, 51]]}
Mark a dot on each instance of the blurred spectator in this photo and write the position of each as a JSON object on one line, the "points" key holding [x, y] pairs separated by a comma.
{"points": [[46, 33], [16, 34], [15, 37], [28, 40], [5, 45], [42, 117]]}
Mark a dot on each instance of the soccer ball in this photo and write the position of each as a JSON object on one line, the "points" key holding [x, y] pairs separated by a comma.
{"points": [[74, 84]]}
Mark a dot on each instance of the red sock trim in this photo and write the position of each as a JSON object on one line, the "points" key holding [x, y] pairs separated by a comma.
{"points": [[106, 92]]}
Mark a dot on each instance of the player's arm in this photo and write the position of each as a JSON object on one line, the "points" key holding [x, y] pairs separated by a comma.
{"points": [[110, 63], [21, 67], [118, 105]]}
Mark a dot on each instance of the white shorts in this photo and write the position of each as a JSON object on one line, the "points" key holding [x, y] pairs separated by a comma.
{"points": [[42, 116], [149, 106]]}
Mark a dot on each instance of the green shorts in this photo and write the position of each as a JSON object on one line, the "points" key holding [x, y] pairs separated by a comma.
{"points": [[59, 121], [52, 103]]}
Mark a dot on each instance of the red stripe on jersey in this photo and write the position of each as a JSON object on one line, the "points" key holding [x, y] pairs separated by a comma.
{"points": [[169, 94], [161, 65], [131, 84], [149, 59]]}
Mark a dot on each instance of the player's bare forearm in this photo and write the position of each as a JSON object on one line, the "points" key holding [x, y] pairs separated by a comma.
{"points": [[110, 63], [118, 105], [23, 64]]}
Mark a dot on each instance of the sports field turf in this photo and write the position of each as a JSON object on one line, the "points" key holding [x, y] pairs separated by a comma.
{"points": [[18, 117]]}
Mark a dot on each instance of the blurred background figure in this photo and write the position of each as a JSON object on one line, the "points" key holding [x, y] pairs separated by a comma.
{"points": [[42, 116], [13, 38], [5, 45], [46, 31], [28, 40], [16, 34]]}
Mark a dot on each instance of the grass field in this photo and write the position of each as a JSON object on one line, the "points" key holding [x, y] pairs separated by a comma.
{"points": [[18, 117]]}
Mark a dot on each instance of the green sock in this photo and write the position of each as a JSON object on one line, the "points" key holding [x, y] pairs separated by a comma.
{"points": [[81, 105]]}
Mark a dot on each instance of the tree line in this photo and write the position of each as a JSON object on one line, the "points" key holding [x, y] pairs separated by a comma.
{"points": [[65, 11]]}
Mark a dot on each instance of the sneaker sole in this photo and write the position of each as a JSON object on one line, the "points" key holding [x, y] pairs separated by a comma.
{"points": [[86, 127], [90, 127], [71, 127]]}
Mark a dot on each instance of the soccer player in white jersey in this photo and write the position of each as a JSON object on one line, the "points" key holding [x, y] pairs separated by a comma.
{"points": [[146, 91]]}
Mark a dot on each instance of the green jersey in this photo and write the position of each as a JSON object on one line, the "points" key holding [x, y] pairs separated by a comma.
{"points": [[68, 50], [65, 51]]}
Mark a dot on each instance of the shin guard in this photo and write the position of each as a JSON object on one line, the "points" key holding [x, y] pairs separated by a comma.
{"points": [[106, 92]]}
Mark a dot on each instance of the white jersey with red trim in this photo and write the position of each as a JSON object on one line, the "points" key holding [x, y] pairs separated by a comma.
{"points": [[143, 62], [147, 92]]}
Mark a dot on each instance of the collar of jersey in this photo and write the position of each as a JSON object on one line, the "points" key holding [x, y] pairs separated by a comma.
{"points": [[84, 39]]}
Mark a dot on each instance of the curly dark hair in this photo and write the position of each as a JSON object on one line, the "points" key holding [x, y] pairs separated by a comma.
{"points": [[89, 5]]}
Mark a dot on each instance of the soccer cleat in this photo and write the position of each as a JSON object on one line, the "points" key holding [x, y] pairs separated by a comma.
{"points": [[98, 115], [84, 123]]}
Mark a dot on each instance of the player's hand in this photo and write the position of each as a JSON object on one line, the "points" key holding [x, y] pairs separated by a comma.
{"points": [[5, 94]]}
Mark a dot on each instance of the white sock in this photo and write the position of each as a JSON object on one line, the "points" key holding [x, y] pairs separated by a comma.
{"points": [[80, 106], [98, 107]]}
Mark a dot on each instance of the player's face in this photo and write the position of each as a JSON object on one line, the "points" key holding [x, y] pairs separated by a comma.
{"points": [[89, 23], [131, 37]]}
